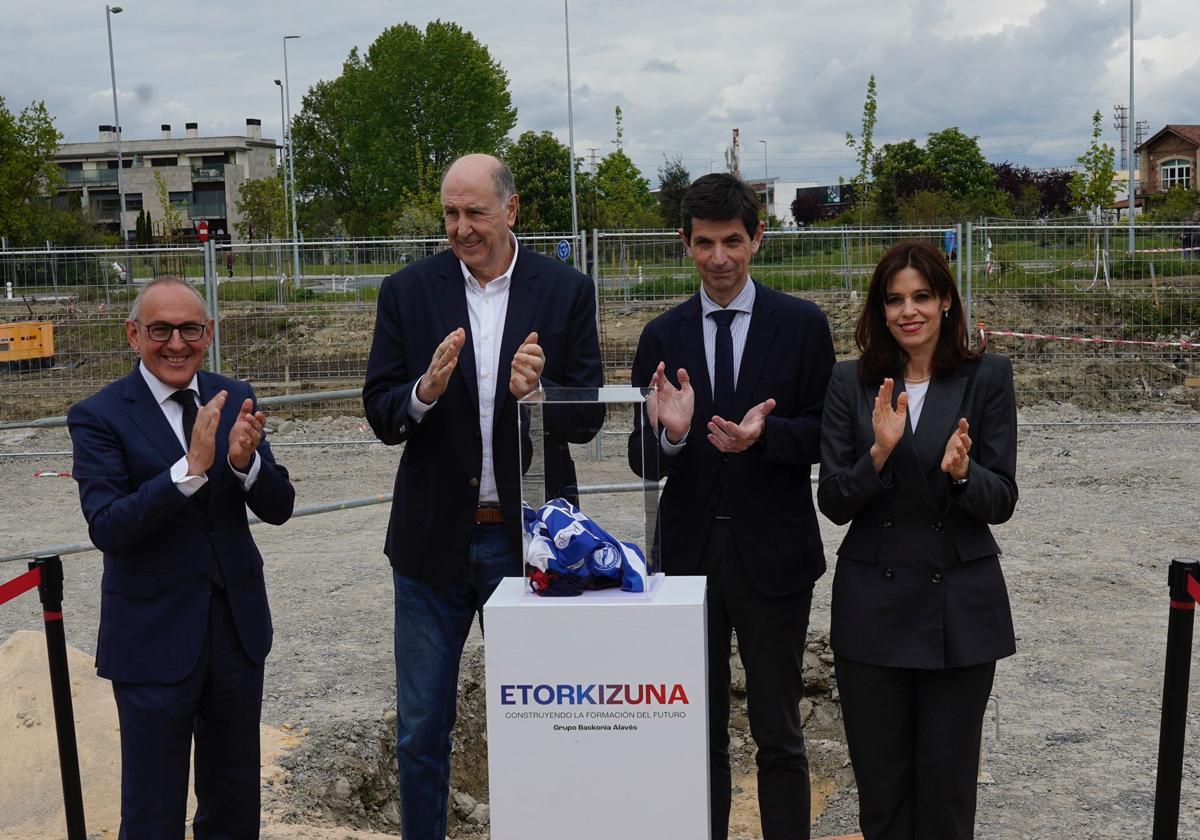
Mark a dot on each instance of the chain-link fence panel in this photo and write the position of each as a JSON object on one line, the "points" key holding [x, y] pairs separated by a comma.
{"points": [[1086, 319]]}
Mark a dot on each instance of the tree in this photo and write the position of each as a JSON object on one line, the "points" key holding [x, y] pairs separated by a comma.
{"points": [[396, 117], [958, 163], [1178, 204], [623, 197], [29, 177], [262, 208], [1035, 194], [419, 214], [540, 166], [864, 148], [673, 181], [171, 217], [806, 208], [898, 171], [1092, 189]]}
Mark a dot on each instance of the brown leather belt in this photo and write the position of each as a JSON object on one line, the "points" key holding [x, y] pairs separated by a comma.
{"points": [[488, 515]]}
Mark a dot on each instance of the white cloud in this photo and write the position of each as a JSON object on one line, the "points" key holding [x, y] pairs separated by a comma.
{"points": [[1024, 75]]}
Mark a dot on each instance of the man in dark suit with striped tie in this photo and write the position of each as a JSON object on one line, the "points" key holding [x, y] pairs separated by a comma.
{"points": [[167, 459], [741, 372]]}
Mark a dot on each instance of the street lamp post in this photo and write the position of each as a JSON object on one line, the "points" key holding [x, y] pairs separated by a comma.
{"points": [[290, 158], [283, 130], [571, 139], [109, 11], [766, 183], [1132, 138]]}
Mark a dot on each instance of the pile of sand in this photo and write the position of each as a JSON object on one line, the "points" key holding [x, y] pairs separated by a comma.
{"points": [[31, 802]]}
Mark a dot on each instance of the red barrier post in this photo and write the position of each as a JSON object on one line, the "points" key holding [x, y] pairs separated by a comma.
{"points": [[1184, 582], [50, 588]]}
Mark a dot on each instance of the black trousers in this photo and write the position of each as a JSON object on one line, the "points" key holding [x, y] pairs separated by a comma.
{"points": [[771, 634], [218, 706], [914, 739]]}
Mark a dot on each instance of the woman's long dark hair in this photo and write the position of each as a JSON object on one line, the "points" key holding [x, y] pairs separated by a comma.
{"points": [[881, 354]]}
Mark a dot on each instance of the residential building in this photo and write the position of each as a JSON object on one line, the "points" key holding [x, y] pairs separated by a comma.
{"points": [[1169, 158], [203, 177]]}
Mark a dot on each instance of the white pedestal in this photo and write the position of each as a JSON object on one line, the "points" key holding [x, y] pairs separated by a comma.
{"points": [[597, 714]]}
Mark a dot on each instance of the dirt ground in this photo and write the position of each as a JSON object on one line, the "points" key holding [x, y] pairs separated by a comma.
{"points": [[1103, 510]]}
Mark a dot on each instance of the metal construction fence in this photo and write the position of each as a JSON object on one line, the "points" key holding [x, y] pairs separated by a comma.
{"points": [[1085, 320]]}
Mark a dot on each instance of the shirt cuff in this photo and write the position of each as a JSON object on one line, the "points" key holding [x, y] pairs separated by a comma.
{"points": [[188, 485], [249, 476], [417, 409], [669, 448]]}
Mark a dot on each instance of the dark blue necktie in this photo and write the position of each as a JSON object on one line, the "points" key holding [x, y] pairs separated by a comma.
{"points": [[188, 403], [723, 363]]}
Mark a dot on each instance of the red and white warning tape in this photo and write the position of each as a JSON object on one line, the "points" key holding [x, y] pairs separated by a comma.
{"points": [[984, 332]]}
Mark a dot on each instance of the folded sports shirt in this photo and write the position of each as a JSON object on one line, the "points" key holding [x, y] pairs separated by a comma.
{"points": [[563, 541]]}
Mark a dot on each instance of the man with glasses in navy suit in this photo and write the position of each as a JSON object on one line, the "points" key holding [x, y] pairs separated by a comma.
{"points": [[167, 459]]}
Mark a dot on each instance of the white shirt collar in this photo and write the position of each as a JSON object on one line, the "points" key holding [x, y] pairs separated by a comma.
{"points": [[744, 302], [161, 391], [500, 282]]}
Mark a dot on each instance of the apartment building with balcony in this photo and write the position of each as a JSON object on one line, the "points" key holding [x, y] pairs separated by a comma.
{"points": [[203, 176]]}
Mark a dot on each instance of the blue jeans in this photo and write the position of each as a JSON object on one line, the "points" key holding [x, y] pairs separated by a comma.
{"points": [[432, 623]]}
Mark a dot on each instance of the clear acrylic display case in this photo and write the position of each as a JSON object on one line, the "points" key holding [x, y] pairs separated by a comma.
{"points": [[575, 445]]}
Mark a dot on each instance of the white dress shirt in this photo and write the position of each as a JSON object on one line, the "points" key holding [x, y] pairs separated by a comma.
{"points": [[739, 327], [487, 307], [188, 484], [916, 401]]}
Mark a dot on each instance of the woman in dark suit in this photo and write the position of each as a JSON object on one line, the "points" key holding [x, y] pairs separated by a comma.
{"points": [[918, 454]]}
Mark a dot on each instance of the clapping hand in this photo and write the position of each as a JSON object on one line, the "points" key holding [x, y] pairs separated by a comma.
{"points": [[728, 436], [437, 375], [955, 462], [669, 406], [203, 447], [887, 423], [245, 436], [527, 365]]}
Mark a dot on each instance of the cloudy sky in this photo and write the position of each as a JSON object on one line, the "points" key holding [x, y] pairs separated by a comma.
{"points": [[1022, 75]]}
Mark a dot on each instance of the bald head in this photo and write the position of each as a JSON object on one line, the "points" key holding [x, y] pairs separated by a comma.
{"points": [[479, 208], [476, 168]]}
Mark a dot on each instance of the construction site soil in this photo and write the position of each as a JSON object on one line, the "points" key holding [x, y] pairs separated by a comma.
{"points": [[1069, 746]]}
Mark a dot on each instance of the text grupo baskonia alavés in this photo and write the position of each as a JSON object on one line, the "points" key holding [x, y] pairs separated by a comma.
{"points": [[594, 694]]}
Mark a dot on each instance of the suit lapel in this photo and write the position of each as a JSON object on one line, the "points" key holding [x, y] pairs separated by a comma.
{"points": [[518, 320], [759, 338], [452, 301], [939, 416], [147, 415], [691, 334], [905, 459]]}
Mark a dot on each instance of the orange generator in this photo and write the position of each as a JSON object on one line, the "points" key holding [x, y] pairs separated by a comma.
{"points": [[26, 344]]}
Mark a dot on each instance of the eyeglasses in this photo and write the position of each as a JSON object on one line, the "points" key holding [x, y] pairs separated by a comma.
{"points": [[163, 332]]}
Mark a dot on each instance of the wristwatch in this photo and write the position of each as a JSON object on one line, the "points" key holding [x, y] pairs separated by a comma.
{"points": [[960, 482]]}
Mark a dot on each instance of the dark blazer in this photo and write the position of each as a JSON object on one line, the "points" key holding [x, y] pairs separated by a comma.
{"points": [[918, 581], [788, 356], [437, 484], [158, 544]]}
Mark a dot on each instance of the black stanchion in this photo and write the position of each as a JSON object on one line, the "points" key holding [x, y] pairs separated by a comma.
{"points": [[1184, 581], [51, 591]]}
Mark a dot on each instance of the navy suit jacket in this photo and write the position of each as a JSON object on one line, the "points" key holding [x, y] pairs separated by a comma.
{"points": [[918, 581], [158, 545], [437, 484], [788, 357]]}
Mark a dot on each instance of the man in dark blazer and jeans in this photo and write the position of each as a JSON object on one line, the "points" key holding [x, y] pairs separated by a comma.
{"points": [[168, 458], [459, 338], [741, 372]]}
